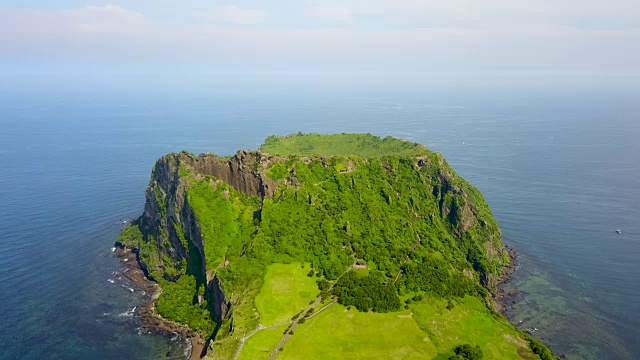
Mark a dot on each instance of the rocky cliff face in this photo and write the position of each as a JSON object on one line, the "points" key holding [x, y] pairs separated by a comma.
{"points": [[463, 207], [171, 226]]}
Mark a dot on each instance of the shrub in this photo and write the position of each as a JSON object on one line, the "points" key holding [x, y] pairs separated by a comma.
{"points": [[467, 352], [323, 284]]}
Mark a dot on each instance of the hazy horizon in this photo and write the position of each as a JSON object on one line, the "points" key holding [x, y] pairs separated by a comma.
{"points": [[584, 39]]}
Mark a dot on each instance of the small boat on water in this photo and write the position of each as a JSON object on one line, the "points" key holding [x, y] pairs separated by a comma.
{"points": [[618, 231]]}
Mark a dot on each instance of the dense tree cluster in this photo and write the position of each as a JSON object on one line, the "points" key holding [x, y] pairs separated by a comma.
{"points": [[366, 293], [381, 211], [323, 284], [435, 276], [179, 302], [467, 352]]}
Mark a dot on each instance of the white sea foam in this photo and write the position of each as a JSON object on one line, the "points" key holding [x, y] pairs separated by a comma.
{"points": [[129, 313], [188, 349]]}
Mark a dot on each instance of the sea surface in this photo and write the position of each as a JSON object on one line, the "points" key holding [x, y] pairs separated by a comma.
{"points": [[559, 166]]}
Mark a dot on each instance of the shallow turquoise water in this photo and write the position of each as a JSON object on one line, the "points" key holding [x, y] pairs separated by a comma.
{"points": [[558, 167]]}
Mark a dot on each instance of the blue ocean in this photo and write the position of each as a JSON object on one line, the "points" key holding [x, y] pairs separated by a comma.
{"points": [[559, 166]]}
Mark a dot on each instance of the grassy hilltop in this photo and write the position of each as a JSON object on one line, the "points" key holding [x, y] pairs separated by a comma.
{"points": [[361, 145], [327, 247]]}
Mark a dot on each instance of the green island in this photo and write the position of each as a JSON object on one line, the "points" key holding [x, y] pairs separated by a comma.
{"points": [[326, 247]]}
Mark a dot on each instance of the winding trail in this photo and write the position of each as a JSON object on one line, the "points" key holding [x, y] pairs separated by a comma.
{"points": [[253, 332], [302, 315], [321, 310], [407, 258]]}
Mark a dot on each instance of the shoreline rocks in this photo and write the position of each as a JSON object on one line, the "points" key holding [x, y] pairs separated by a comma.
{"points": [[502, 299], [152, 322]]}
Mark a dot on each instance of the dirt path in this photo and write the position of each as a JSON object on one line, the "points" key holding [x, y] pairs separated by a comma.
{"points": [[317, 302], [407, 258], [321, 310], [415, 215], [197, 345], [253, 332], [293, 326], [263, 327]]}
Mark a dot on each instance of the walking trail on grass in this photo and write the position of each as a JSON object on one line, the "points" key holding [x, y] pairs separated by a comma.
{"points": [[302, 315]]}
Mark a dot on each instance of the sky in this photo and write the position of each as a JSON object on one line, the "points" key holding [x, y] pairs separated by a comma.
{"points": [[579, 37]]}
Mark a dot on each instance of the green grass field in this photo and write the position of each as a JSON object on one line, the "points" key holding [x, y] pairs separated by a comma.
{"points": [[362, 145], [426, 331], [260, 345], [469, 322], [286, 291], [338, 333]]}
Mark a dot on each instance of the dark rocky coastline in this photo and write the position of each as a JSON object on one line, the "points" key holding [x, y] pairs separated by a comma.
{"points": [[152, 322], [503, 299], [506, 297]]}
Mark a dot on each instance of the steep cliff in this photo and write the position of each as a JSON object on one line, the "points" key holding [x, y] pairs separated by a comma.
{"points": [[396, 205], [170, 241]]}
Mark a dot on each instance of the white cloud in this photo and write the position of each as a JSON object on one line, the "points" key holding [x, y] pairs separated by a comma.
{"points": [[235, 15], [329, 13], [108, 18], [117, 35], [465, 13], [95, 19]]}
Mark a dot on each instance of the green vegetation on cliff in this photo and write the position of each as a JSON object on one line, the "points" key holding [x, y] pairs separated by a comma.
{"points": [[226, 239], [179, 302], [225, 217]]}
